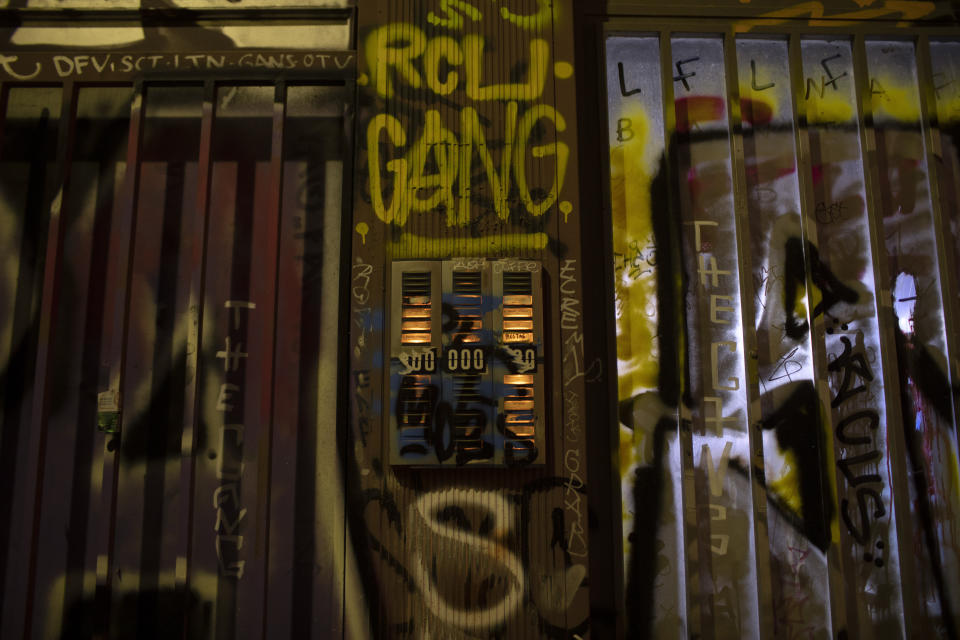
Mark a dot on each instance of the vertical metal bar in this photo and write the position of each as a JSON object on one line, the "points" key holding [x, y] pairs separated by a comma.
{"points": [[947, 183], [804, 172], [131, 538], [690, 615], [281, 417], [4, 99], [9, 306], [341, 222], [573, 391], [28, 522], [889, 360], [122, 234], [100, 496], [760, 541], [358, 621], [606, 490], [197, 269], [6, 429]]}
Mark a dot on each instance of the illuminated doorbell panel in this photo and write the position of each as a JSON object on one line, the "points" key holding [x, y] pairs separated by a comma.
{"points": [[466, 363]]}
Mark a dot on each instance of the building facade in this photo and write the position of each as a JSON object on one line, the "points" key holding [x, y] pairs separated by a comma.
{"points": [[476, 318]]}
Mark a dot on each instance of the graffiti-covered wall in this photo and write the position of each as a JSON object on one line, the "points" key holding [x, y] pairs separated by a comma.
{"points": [[783, 328], [466, 162], [479, 319]]}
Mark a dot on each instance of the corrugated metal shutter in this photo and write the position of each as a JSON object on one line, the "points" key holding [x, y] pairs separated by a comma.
{"points": [[784, 226]]}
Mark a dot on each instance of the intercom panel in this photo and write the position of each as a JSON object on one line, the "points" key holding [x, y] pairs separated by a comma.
{"points": [[466, 363]]}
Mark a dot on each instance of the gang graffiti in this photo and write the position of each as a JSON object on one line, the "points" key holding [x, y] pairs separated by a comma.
{"points": [[428, 165]]}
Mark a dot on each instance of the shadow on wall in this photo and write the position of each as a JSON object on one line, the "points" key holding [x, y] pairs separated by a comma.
{"points": [[161, 611]]}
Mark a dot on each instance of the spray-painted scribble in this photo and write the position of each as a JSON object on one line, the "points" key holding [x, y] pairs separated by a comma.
{"points": [[830, 463]]}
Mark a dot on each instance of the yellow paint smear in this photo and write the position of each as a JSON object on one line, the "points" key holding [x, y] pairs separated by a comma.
{"points": [[413, 246], [948, 109], [897, 101], [954, 472], [831, 477], [630, 178], [787, 486], [828, 109], [627, 455], [904, 9], [761, 97]]}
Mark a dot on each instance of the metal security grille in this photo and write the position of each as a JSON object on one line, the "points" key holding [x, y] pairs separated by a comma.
{"points": [[415, 289], [783, 210], [169, 312], [517, 307], [467, 390]]}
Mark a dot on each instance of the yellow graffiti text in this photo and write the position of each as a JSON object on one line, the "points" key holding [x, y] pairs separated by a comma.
{"points": [[454, 11], [449, 188], [392, 51]]}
